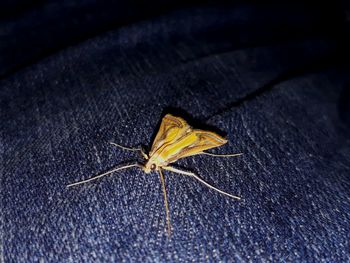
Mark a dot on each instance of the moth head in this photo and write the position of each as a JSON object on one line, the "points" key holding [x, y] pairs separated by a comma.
{"points": [[150, 166], [154, 163]]}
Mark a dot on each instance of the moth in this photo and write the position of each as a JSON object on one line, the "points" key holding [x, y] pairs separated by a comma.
{"points": [[175, 139]]}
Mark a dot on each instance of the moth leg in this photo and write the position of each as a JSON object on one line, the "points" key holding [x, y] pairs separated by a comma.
{"points": [[124, 147], [222, 155], [104, 174], [175, 170], [165, 201], [131, 149], [145, 155]]}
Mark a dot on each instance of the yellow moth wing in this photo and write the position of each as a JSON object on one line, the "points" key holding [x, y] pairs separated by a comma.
{"points": [[194, 142], [170, 130]]}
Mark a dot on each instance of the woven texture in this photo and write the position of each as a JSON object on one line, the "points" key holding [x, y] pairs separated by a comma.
{"points": [[270, 77]]}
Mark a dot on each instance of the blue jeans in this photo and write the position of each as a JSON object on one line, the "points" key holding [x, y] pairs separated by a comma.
{"points": [[270, 78]]}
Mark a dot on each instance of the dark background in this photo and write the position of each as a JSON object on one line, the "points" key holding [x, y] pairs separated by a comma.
{"points": [[273, 77]]}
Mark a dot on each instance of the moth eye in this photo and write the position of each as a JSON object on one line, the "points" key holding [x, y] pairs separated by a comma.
{"points": [[153, 166]]}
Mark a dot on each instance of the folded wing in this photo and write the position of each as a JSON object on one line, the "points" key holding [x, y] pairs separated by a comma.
{"points": [[194, 142], [171, 129]]}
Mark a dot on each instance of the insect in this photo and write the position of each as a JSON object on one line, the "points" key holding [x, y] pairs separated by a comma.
{"points": [[175, 139]]}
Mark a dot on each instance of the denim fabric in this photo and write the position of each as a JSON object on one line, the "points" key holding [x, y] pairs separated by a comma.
{"points": [[272, 78]]}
